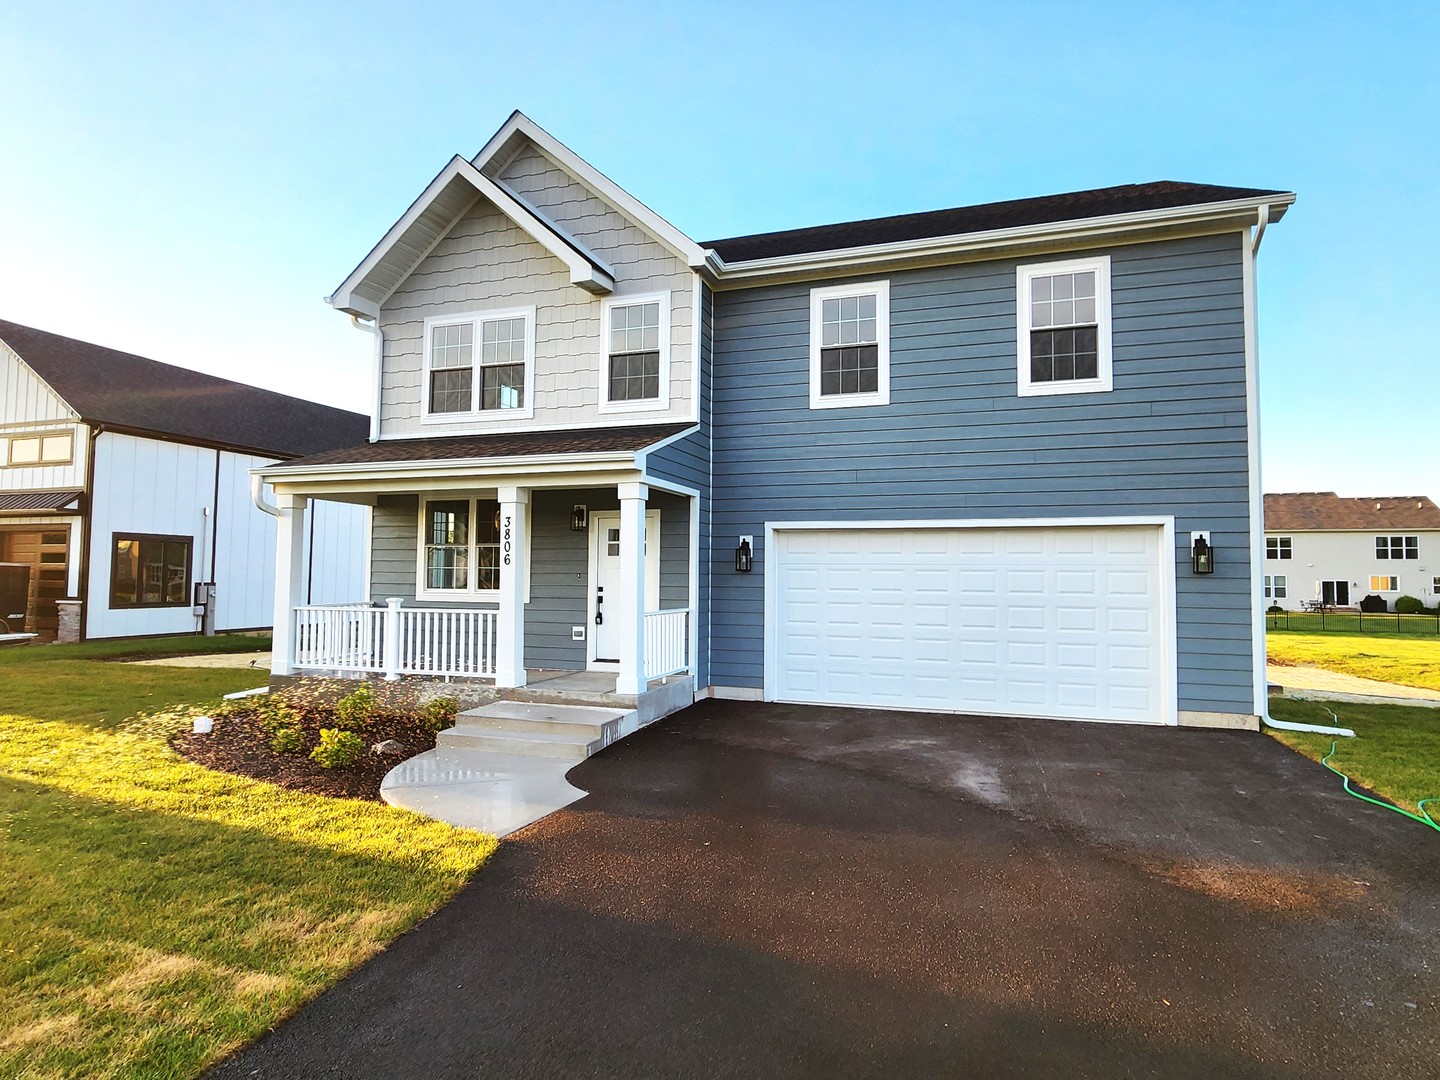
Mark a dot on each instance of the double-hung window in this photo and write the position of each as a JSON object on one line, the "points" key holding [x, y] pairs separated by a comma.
{"points": [[850, 345], [1275, 587], [1397, 547], [1278, 547], [480, 365], [635, 353], [1063, 322], [460, 547]]}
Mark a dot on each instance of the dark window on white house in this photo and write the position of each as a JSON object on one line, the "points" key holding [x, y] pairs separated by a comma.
{"points": [[150, 571], [1397, 547], [1277, 547]]}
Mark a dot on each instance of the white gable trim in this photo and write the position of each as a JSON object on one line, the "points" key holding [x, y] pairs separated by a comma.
{"points": [[586, 270], [520, 124], [70, 414]]}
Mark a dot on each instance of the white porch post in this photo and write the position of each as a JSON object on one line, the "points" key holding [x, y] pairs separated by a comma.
{"points": [[289, 579], [629, 606], [510, 636]]}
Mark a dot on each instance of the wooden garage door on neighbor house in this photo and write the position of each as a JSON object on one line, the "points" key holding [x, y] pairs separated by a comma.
{"points": [[45, 551], [1065, 622]]}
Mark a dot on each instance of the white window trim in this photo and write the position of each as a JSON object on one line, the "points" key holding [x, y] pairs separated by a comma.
{"points": [[607, 305], [1104, 380], [1282, 554], [1390, 549], [1384, 577], [475, 318], [881, 292], [422, 592]]}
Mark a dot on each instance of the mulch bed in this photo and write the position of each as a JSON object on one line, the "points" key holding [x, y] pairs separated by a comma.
{"points": [[240, 745]]}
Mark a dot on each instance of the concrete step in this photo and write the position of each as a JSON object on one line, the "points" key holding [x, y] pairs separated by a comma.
{"points": [[542, 718], [570, 747]]}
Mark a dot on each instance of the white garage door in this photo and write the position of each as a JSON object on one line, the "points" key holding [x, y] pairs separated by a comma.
{"points": [[1063, 622]]}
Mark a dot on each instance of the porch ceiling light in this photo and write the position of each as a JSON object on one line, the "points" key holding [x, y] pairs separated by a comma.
{"points": [[1202, 555], [579, 518], [744, 558]]}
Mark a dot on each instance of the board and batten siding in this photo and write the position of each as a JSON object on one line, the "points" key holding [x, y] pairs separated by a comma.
{"points": [[559, 565], [151, 486], [24, 396], [956, 441], [28, 407], [487, 262]]}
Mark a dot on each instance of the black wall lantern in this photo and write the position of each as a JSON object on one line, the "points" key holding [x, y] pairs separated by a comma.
{"points": [[579, 517], [744, 557], [1202, 555]]}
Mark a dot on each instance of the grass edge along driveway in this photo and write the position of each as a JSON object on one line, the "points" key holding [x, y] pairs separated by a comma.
{"points": [[155, 915]]}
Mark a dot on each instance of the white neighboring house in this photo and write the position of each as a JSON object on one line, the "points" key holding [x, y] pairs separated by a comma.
{"points": [[1319, 546], [125, 485]]}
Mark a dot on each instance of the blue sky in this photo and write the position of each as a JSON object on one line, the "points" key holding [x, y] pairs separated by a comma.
{"points": [[188, 181]]}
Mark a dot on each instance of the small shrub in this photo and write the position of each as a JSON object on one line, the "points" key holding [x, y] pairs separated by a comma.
{"points": [[1409, 605], [277, 716], [338, 749], [287, 740], [355, 710], [439, 713]]}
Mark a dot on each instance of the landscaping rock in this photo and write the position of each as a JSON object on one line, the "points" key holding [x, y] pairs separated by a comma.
{"points": [[389, 746]]}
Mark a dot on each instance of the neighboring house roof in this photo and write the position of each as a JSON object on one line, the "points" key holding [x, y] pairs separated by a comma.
{"points": [[118, 389], [1013, 213], [1324, 511], [600, 440], [17, 501]]}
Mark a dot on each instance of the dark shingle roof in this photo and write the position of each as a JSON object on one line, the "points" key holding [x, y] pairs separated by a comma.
{"points": [[598, 440], [1306, 511], [120, 389], [1013, 213]]}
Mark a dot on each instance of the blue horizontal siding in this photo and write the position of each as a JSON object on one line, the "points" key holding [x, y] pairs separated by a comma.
{"points": [[957, 442]]}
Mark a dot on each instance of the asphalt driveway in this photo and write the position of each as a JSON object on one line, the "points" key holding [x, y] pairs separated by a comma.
{"points": [[775, 891]]}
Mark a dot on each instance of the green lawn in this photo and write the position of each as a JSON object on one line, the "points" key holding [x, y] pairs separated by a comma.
{"points": [[153, 914], [1395, 752], [1404, 660], [64, 682]]}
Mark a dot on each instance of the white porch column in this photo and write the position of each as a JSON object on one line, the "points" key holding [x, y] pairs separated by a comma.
{"points": [[629, 605], [510, 638], [289, 579]]}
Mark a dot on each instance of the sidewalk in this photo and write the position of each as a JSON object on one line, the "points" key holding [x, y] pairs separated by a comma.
{"points": [[1312, 683]]}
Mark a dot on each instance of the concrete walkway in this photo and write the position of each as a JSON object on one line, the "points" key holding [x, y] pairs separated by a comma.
{"points": [[1321, 684], [258, 660]]}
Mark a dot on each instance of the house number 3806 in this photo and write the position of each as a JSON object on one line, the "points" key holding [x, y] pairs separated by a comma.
{"points": [[505, 541]]}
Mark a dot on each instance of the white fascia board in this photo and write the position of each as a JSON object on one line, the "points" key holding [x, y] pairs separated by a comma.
{"points": [[586, 270], [680, 244], [940, 246], [469, 466], [642, 457]]}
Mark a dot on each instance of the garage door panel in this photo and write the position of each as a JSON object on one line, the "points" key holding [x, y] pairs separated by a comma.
{"points": [[1038, 621]]}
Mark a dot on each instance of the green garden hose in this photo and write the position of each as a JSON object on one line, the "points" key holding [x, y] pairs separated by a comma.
{"points": [[1425, 820]]}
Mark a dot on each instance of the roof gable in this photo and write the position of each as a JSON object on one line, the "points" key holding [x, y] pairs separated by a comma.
{"points": [[457, 187], [122, 390], [1324, 511]]}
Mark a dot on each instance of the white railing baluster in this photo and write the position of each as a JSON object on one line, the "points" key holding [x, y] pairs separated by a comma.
{"points": [[667, 642], [395, 640]]}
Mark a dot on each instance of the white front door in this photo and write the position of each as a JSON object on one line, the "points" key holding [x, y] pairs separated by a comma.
{"points": [[605, 581]]}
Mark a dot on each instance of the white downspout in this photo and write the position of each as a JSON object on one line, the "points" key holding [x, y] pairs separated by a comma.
{"points": [[257, 495], [374, 328], [1262, 220]]}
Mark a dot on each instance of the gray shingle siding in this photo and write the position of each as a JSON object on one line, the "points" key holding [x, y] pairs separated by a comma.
{"points": [[957, 442]]}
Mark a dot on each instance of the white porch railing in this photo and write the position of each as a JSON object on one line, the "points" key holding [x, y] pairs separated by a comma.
{"points": [[395, 640], [667, 642]]}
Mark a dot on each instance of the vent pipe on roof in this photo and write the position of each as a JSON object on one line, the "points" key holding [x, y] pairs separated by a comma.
{"points": [[374, 328]]}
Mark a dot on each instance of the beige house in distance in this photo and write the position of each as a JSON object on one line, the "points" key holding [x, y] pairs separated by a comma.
{"points": [[1320, 547]]}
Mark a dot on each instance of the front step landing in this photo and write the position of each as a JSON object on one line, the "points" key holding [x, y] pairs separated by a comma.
{"points": [[540, 729]]}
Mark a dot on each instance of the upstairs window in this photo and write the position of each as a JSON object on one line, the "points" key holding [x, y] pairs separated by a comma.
{"points": [[479, 364], [1063, 324], [51, 448], [850, 345], [1277, 547], [1397, 547], [634, 361]]}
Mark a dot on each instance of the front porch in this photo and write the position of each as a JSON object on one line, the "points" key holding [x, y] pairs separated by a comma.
{"points": [[592, 588]]}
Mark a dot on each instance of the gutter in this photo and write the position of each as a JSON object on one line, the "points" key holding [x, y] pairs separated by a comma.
{"points": [[373, 327], [257, 495], [86, 526]]}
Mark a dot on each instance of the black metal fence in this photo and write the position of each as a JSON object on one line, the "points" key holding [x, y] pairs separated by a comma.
{"points": [[1354, 622]]}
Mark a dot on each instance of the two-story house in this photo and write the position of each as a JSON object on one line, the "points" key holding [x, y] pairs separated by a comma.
{"points": [[1324, 550], [968, 460], [126, 503]]}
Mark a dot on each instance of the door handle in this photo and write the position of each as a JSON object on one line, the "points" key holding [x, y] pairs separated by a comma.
{"points": [[599, 613]]}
